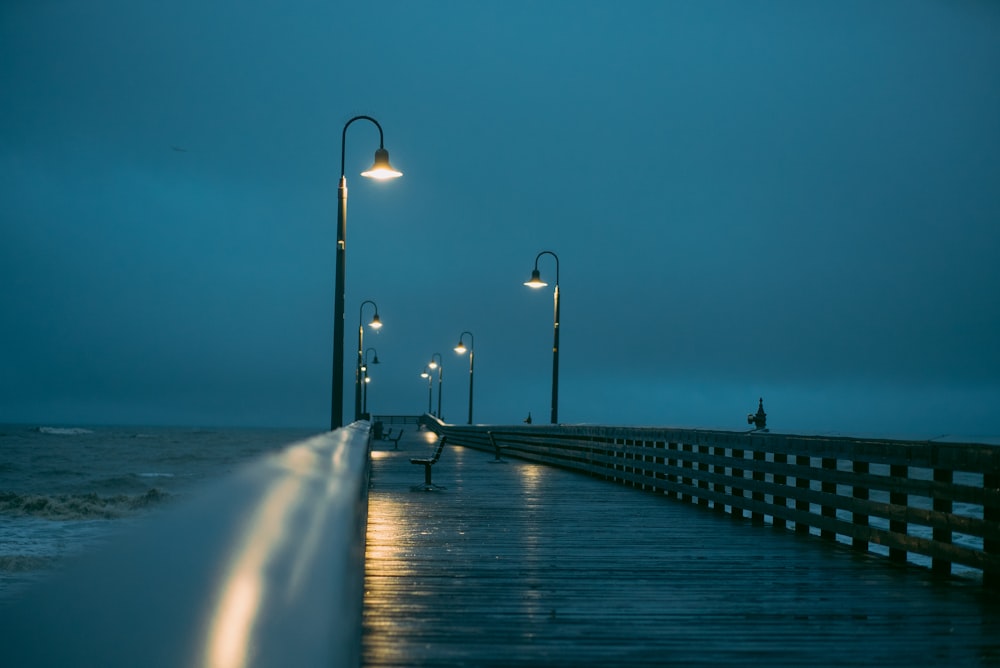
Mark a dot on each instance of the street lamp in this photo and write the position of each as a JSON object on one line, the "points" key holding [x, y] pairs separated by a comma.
{"points": [[374, 324], [439, 365], [381, 169], [536, 282], [430, 388], [364, 368], [461, 349]]}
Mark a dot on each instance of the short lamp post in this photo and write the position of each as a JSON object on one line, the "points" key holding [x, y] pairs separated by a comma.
{"points": [[374, 324], [381, 169], [366, 379], [439, 365], [461, 350], [537, 282], [430, 388]]}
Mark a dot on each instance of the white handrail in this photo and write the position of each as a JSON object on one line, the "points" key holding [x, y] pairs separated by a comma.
{"points": [[265, 568]]}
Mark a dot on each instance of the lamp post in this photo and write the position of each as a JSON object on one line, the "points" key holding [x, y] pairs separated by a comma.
{"points": [[381, 169], [430, 388], [374, 324], [364, 367], [461, 349], [439, 365], [536, 282]]}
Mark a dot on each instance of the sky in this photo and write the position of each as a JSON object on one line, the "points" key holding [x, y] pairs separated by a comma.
{"points": [[792, 201]]}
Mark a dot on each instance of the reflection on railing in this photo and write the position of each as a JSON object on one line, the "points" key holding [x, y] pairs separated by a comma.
{"points": [[262, 569]]}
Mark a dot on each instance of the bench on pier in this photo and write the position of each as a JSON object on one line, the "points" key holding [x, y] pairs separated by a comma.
{"points": [[395, 440], [430, 462], [496, 449]]}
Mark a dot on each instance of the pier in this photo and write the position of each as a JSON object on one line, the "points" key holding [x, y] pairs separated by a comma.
{"points": [[545, 545], [510, 562]]}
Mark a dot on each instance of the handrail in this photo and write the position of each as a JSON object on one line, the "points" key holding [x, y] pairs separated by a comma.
{"points": [[920, 501], [264, 568], [397, 419]]}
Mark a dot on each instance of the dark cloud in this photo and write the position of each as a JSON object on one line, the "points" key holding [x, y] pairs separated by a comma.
{"points": [[797, 203]]}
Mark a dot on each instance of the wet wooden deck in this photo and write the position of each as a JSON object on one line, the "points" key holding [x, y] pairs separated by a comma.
{"points": [[517, 564]]}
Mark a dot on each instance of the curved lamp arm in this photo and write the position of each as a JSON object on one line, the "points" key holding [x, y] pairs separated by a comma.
{"points": [[536, 280], [376, 322], [460, 348], [381, 169]]}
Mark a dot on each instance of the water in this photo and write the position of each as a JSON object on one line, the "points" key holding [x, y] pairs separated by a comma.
{"points": [[67, 489]]}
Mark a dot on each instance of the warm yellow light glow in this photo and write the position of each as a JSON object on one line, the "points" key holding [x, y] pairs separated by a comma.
{"points": [[425, 375], [368, 379], [536, 280], [244, 589], [381, 169], [375, 323], [460, 348], [433, 364]]}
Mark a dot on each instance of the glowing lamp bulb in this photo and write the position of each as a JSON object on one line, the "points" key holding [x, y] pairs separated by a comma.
{"points": [[536, 280], [381, 169]]}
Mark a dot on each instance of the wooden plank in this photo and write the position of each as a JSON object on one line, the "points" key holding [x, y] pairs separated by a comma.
{"points": [[517, 564]]}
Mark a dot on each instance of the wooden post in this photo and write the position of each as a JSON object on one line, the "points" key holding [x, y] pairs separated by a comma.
{"points": [[898, 473], [672, 461], [802, 482], [780, 479], [719, 487], [685, 463], [942, 534], [829, 464], [737, 505], [991, 546], [702, 468], [758, 476], [861, 493]]}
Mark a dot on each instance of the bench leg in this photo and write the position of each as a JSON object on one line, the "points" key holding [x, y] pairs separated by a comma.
{"points": [[427, 475]]}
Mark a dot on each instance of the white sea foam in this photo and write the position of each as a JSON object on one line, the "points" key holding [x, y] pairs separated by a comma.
{"points": [[65, 431]]}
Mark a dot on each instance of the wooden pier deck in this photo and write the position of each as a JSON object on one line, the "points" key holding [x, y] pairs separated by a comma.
{"points": [[518, 564]]}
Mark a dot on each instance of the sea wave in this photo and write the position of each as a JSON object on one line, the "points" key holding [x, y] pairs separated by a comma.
{"points": [[78, 506], [64, 431], [23, 563]]}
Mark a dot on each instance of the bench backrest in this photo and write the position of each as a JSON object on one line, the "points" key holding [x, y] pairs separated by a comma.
{"points": [[440, 447]]}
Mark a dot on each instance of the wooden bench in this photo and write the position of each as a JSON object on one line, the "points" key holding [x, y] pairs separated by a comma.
{"points": [[395, 441], [497, 459], [429, 462]]}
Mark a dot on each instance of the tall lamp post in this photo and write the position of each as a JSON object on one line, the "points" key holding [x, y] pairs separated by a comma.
{"points": [[374, 324], [439, 365], [364, 367], [430, 388], [461, 349], [537, 282], [381, 169]]}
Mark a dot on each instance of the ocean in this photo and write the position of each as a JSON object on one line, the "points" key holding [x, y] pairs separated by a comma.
{"points": [[64, 490]]}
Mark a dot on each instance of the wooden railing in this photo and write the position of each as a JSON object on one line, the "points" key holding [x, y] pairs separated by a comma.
{"points": [[397, 419], [931, 503]]}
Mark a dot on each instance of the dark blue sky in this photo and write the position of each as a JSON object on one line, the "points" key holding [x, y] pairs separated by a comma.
{"points": [[792, 200]]}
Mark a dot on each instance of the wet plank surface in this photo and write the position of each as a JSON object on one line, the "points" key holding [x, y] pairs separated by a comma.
{"points": [[517, 564]]}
